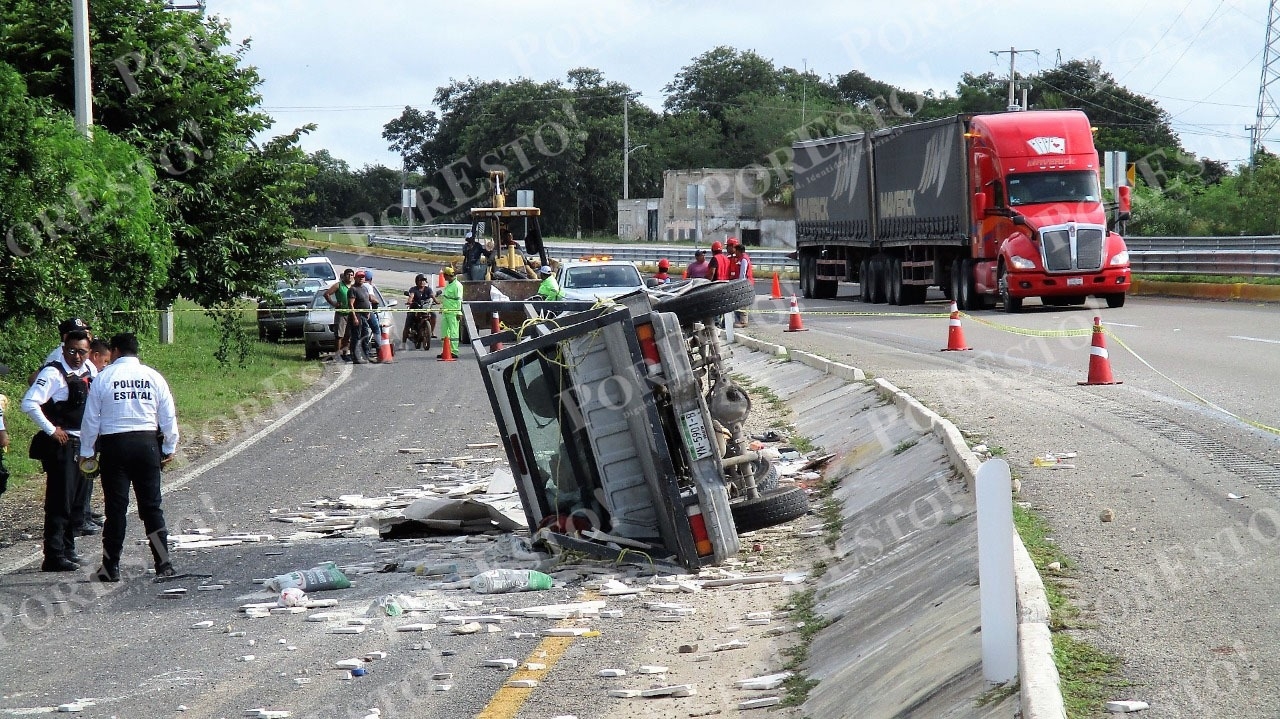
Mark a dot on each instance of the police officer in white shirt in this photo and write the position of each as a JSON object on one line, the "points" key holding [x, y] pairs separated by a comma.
{"points": [[131, 423], [56, 403]]}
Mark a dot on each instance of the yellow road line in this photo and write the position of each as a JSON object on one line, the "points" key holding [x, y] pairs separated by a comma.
{"points": [[506, 702]]}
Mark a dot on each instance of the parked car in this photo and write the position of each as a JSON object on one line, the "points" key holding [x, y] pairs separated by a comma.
{"points": [[598, 278], [314, 266], [284, 313], [624, 427], [318, 330]]}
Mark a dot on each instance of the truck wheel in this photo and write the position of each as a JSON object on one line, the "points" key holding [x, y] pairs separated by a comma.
{"points": [[772, 508], [766, 476], [967, 290], [864, 280], [808, 266], [877, 280], [1011, 304], [957, 277], [710, 300], [893, 281], [1115, 300]]}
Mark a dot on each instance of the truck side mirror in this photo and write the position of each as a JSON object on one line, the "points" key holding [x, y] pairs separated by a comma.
{"points": [[1019, 219], [981, 203]]}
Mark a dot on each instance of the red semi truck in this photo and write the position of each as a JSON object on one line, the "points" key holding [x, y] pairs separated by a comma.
{"points": [[986, 207]]}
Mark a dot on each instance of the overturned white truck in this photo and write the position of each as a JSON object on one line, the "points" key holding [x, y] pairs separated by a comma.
{"points": [[624, 429]]}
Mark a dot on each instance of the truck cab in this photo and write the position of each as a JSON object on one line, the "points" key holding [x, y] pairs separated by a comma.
{"points": [[1040, 222]]}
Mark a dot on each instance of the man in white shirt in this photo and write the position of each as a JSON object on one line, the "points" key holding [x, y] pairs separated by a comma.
{"points": [[56, 403], [131, 423]]}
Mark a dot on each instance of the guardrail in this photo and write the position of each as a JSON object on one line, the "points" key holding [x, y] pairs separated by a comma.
{"points": [[1236, 263], [1234, 256], [764, 259]]}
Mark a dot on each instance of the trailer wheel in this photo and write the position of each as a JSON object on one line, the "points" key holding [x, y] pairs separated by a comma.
{"points": [[1011, 304], [710, 300], [772, 508], [864, 280], [957, 276], [1114, 300], [877, 281], [893, 280], [967, 290], [808, 265]]}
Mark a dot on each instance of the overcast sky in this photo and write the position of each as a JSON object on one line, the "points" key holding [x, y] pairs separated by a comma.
{"points": [[350, 66]]}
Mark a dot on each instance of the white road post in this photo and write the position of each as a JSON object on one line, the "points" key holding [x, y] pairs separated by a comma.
{"points": [[996, 593]]}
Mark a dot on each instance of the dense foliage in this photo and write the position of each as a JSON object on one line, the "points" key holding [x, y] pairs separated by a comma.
{"points": [[172, 85], [84, 233]]}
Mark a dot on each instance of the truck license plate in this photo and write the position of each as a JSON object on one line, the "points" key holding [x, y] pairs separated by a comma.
{"points": [[1075, 281], [695, 434]]}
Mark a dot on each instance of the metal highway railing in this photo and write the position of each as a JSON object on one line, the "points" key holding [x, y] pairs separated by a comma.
{"points": [[1253, 256]]}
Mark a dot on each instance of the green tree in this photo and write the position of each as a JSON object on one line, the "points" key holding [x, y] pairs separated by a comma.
{"points": [[84, 233], [172, 84]]}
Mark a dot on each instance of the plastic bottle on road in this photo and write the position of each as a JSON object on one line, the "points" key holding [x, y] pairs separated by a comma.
{"points": [[497, 581]]}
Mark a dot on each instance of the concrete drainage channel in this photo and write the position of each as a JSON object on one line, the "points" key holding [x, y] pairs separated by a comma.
{"points": [[901, 591]]}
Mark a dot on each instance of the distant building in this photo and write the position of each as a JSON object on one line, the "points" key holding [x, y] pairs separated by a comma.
{"points": [[733, 207]]}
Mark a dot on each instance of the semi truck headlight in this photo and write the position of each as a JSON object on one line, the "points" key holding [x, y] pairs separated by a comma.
{"points": [[1021, 263], [1119, 258]]}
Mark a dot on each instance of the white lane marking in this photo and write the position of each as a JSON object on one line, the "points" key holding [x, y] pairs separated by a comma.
{"points": [[1118, 324], [219, 461], [1254, 339]]}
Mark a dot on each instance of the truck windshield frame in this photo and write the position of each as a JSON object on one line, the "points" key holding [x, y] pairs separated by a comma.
{"points": [[1038, 188]]}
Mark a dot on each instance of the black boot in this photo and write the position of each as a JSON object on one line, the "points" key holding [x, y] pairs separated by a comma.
{"points": [[58, 564]]}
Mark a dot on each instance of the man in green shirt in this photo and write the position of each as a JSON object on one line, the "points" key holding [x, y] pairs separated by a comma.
{"points": [[549, 289], [450, 309], [336, 295]]}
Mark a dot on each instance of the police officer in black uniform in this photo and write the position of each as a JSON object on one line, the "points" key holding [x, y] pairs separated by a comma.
{"points": [[55, 402]]}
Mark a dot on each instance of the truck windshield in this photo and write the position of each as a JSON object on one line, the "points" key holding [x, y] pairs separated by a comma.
{"points": [[1032, 188]]}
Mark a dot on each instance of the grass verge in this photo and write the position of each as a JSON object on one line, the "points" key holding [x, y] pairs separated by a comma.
{"points": [[1211, 279], [213, 403], [1088, 676], [803, 611]]}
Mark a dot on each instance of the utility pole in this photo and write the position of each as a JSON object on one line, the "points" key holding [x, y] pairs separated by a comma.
{"points": [[80, 59], [626, 147], [1268, 110], [804, 87], [1013, 76]]}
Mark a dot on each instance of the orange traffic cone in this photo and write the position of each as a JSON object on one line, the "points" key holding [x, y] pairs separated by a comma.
{"points": [[495, 326], [1099, 361], [777, 288], [440, 279], [385, 352], [446, 355], [955, 333], [794, 324]]}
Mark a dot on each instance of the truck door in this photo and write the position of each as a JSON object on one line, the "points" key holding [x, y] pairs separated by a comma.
{"points": [[988, 192]]}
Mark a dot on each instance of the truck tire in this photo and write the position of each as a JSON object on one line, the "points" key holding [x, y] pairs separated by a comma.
{"points": [[1114, 300], [877, 280], [710, 300], [766, 476], [1011, 304], [968, 300], [808, 266], [893, 281], [864, 280], [957, 278], [772, 508]]}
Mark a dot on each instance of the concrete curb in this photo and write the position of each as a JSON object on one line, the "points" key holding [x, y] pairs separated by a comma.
{"points": [[1242, 291], [1041, 693]]}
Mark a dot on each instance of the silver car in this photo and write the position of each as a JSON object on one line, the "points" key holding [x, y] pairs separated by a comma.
{"points": [[319, 332]]}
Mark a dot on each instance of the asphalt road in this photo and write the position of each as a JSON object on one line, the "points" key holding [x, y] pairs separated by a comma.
{"points": [[1181, 585]]}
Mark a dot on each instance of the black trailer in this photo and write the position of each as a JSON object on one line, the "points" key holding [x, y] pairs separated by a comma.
{"points": [[889, 209]]}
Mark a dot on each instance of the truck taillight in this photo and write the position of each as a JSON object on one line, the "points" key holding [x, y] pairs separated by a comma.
{"points": [[649, 348], [701, 540]]}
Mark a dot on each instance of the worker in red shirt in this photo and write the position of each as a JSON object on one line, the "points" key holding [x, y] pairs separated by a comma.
{"points": [[719, 262], [661, 275]]}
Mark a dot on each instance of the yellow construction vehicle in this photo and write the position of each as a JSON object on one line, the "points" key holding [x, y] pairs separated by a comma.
{"points": [[499, 223]]}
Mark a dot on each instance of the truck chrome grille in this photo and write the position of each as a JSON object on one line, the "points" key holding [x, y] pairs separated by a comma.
{"points": [[1064, 252]]}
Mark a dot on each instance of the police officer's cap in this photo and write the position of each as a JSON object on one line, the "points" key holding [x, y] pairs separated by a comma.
{"points": [[71, 325]]}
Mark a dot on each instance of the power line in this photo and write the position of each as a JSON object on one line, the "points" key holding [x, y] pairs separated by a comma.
{"points": [[1162, 36], [1190, 44]]}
